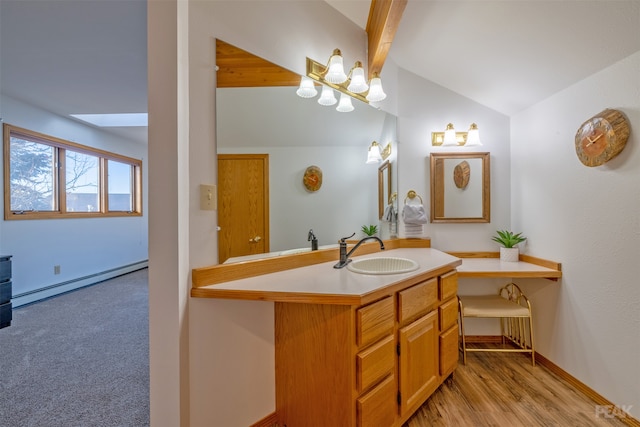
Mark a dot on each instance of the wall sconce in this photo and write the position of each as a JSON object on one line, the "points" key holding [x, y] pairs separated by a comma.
{"points": [[333, 76], [376, 154], [451, 138]]}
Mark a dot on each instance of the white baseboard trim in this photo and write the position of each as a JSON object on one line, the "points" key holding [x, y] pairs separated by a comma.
{"points": [[70, 285]]}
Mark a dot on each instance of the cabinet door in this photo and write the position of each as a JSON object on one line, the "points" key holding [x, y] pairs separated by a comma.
{"points": [[449, 350], [418, 361]]}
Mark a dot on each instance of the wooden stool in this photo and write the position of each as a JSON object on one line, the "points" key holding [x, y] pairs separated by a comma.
{"points": [[512, 307]]}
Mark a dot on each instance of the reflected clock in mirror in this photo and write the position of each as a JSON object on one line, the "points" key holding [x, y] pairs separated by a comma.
{"points": [[460, 187]]}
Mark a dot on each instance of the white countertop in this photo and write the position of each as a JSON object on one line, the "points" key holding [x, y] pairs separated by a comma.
{"points": [[493, 267], [328, 284]]}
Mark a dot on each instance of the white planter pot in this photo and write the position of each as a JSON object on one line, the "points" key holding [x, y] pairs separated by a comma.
{"points": [[509, 254]]}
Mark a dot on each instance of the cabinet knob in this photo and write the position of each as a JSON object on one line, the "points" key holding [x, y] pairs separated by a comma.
{"points": [[255, 239]]}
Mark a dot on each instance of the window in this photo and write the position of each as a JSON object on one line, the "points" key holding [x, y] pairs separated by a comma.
{"points": [[46, 177]]}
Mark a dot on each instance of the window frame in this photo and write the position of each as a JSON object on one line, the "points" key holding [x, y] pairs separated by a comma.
{"points": [[60, 147]]}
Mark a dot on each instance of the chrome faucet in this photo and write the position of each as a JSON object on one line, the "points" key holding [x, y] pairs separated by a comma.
{"points": [[344, 255], [313, 239]]}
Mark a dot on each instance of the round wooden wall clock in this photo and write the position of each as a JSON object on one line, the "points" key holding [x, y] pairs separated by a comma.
{"points": [[461, 174], [312, 178], [602, 137]]}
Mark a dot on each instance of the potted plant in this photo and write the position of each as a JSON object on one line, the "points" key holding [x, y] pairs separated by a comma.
{"points": [[370, 230], [509, 241]]}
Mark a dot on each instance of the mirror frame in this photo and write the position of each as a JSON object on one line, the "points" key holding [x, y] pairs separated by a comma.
{"points": [[437, 185], [385, 168]]}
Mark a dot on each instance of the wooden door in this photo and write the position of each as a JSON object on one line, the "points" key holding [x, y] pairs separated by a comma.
{"points": [[418, 361], [243, 205]]}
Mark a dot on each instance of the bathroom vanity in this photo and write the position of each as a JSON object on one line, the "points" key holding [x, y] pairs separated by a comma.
{"points": [[351, 349]]}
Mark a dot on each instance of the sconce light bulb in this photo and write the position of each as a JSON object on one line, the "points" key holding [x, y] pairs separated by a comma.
{"points": [[449, 136], [358, 84], [335, 70], [473, 136], [376, 94]]}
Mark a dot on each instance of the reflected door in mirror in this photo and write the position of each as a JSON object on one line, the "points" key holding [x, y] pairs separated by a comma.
{"points": [[243, 205]]}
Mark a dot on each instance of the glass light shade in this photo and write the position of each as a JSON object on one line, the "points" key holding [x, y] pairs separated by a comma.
{"points": [[473, 137], [307, 89], [374, 155], [335, 70], [345, 104], [450, 137], [358, 83], [376, 94], [327, 97]]}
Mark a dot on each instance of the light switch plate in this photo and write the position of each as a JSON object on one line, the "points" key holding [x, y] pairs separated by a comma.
{"points": [[208, 197]]}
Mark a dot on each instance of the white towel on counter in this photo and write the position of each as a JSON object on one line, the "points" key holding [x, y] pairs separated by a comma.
{"points": [[414, 214]]}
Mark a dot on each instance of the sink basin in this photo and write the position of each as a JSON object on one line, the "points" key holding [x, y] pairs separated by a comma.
{"points": [[383, 265]]}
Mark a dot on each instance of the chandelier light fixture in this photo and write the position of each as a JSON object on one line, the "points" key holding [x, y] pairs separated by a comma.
{"points": [[333, 77]]}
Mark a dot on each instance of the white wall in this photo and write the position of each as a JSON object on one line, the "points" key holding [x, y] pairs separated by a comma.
{"points": [[425, 107], [588, 219], [87, 250]]}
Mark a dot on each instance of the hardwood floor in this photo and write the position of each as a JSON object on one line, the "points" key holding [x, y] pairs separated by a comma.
{"points": [[503, 389]]}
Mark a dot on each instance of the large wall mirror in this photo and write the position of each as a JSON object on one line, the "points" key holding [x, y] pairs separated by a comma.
{"points": [[460, 187], [297, 133]]}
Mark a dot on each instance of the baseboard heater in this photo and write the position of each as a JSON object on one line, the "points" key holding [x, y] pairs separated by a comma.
{"points": [[70, 285]]}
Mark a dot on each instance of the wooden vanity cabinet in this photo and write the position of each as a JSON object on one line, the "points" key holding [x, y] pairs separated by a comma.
{"points": [[366, 366]]}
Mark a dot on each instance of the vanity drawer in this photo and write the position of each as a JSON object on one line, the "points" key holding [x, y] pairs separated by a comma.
{"points": [[448, 285], [378, 407], [417, 300], [375, 363], [448, 313], [374, 321]]}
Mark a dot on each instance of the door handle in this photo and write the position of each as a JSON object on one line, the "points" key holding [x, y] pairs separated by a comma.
{"points": [[255, 239]]}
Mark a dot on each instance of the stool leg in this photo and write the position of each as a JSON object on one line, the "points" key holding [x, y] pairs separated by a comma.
{"points": [[533, 353], [464, 343]]}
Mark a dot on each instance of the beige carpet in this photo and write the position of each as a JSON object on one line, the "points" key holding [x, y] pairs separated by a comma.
{"points": [[80, 359]]}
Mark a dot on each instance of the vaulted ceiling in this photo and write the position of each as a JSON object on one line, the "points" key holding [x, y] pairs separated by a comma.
{"points": [[505, 54]]}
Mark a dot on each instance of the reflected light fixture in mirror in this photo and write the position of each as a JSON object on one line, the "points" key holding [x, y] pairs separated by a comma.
{"points": [[307, 88], [376, 154], [451, 138], [345, 105], [327, 97]]}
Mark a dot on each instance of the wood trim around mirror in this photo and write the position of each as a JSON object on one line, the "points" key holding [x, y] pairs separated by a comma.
{"points": [[384, 174], [472, 206]]}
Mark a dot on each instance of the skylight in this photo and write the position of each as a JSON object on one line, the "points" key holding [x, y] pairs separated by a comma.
{"points": [[114, 120]]}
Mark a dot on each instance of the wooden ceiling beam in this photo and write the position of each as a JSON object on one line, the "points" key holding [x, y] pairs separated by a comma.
{"points": [[384, 18]]}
